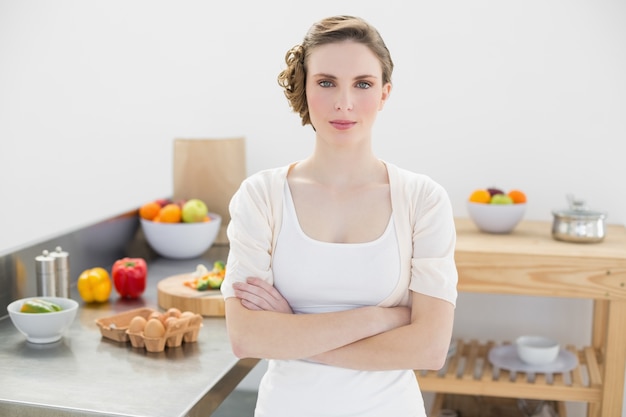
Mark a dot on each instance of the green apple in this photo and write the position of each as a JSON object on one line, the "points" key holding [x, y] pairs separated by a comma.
{"points": [[501, 199], [194, 211]]}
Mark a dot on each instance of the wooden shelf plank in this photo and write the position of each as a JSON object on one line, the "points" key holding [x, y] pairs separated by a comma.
{"points": [[508, 384]]}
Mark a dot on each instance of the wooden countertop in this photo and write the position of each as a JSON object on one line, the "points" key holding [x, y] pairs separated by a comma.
{"points": [[529, 261]]}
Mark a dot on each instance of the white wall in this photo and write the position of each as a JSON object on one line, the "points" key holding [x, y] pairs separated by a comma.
{"points": [[525, 94]]}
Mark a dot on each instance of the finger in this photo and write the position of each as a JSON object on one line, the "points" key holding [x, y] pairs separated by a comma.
{"points": [[250, 306], [260, 302], [267, 287]]}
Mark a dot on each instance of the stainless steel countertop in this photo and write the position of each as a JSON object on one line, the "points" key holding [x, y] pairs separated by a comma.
{"points": [[86, 374]]}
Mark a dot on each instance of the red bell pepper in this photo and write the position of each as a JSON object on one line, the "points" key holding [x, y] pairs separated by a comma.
{"points": [[129, 277]]}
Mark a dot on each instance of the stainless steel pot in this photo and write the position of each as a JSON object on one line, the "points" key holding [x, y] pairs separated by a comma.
{"points": [[578, 223]]}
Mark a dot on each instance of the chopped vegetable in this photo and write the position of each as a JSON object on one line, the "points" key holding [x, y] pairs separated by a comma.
{"points": [[39, 306], [204, 280]]}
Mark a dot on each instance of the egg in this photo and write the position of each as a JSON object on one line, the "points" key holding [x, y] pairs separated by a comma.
{"points": [[154, 328], [173, 312], [137, 324], [172, 323], [187, 314], [194, 319]]}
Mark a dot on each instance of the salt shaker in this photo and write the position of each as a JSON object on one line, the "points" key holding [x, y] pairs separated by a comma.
{"points": [[62, 269], [46, 275]]}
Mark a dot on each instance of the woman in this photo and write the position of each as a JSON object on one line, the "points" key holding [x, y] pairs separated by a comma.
{"points": [[341, 266]]}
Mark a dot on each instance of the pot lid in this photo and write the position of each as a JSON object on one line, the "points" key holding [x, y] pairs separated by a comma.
{"points": [[578, 211]]}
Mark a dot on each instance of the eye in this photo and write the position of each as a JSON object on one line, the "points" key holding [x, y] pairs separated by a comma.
{"points": [[363, 84], [325, 83]]}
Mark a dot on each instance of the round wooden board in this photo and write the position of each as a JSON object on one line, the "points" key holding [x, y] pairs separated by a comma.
{"points": [[172, 292]]}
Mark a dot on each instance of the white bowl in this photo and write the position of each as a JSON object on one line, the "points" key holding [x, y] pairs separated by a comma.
{"points": [[181, 240], [43, 327], [496, 218], [537, 350]]}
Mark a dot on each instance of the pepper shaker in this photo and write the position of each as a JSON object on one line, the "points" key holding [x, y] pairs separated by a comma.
{"points": [[62, 269], [46, 275]]}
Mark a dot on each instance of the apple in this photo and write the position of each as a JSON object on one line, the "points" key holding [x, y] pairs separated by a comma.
{"points": [[501, 199], [163, 201], [194, 211]]}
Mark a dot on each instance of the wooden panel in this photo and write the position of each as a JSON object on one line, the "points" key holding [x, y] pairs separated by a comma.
{"points": [[529, 262], [542, 276], [614, 363], [210, 169], [534, 238]]}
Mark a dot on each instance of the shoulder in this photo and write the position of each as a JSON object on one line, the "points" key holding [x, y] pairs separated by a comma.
{"points": [[267, 177], [264, 184], [413, 183], [261, 192]]}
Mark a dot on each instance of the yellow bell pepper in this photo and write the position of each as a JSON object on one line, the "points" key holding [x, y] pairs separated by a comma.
{"points": [[94, 285]]}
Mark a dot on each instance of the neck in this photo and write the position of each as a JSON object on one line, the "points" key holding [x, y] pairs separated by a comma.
{"points": [[343, 169]]}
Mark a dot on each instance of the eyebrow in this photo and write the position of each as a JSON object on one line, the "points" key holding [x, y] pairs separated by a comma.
{"points": [[332, 77]]}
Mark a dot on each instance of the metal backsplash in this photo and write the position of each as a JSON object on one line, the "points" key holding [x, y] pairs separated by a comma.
{"points": [[98, 245]]}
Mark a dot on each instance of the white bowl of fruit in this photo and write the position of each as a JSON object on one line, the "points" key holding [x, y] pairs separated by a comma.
{"points": [[43, 319], [179, 230], [496, 211]]}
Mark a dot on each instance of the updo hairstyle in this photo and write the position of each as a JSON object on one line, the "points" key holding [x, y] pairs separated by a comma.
{"points": [[329, 30]]}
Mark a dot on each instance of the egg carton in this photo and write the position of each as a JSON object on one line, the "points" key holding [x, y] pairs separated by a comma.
{"points": [[184, 329]]}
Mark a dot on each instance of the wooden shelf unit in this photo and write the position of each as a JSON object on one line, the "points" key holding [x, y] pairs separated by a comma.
{"points": [[469, 372], [529, 262]]}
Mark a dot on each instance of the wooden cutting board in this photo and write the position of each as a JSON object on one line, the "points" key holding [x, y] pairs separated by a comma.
{"points": [[172, 292]]}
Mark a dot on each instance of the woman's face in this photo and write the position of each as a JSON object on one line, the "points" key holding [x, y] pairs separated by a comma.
{"points": [[344, 89]]}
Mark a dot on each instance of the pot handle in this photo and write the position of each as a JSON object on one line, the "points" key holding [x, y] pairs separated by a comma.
{"points": [[576, 204]]}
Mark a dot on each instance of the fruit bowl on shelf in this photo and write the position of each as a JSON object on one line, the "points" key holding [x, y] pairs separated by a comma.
{"points": [[34, 318], [182, 240], [494, 211]]}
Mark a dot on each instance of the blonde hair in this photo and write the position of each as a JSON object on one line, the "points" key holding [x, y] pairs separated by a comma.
{"points": [[330, 30]]}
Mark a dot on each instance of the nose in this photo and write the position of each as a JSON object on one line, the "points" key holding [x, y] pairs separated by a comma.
{"points": [[343, 100]]}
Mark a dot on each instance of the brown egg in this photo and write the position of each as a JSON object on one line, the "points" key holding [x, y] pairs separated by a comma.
{"points": [[172, 312], [194, 319], [154, 328], [137, 324], [186, 314], [155, 315], [172, 323]]}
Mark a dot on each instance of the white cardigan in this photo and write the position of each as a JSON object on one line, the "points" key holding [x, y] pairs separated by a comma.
{"points": [[422, 215]]}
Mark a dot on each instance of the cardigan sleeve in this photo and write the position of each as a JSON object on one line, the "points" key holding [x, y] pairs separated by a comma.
{"points": [[433, 269], [250, 232]]}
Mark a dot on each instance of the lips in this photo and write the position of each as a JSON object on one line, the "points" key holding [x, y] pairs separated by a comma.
{"points": [[342, 124]]}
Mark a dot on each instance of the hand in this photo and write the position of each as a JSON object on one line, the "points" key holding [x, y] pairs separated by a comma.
{"points": [[256, 294]]}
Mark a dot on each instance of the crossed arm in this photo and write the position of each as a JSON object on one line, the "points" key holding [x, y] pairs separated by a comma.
{"points": [[261, 324]]}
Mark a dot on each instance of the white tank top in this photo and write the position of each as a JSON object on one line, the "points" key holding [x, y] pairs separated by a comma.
{"points": [[317, 276]]}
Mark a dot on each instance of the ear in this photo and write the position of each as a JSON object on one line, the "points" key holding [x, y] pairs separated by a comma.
{"points": [[384, 96]]}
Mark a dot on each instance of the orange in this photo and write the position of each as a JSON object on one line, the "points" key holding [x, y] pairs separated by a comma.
{"points": [[149, 210], [170, 213], [480, 196], [517, 196]]}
